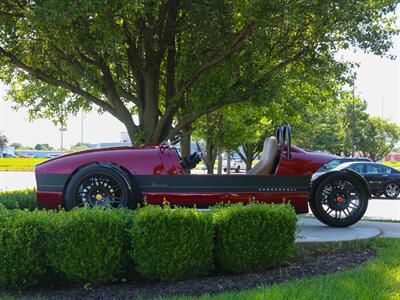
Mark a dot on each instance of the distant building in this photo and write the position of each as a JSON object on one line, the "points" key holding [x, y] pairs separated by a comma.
{"points": [[109, 145], [38, 153], [8, 150], [393, 156]]}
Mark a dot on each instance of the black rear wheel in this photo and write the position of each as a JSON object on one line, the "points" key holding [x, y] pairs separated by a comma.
{"points": [[392, 190], [101, 185], [339, 200]]}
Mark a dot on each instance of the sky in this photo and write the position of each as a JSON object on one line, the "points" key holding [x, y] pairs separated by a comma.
{"points": [[378, 81]]}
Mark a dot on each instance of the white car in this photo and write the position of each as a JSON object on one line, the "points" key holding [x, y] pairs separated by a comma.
{"points": [[236, 165]]}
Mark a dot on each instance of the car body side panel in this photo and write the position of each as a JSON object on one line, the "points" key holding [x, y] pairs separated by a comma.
{"points": [[203, 200], [147, 161], [302, 162], [155, 160]]}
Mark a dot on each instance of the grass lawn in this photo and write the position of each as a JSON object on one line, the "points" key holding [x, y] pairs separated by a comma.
{"points": [[19, 164], [394, 165], [377, 279]]}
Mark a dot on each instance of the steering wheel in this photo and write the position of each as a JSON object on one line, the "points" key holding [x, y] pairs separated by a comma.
{"points": [[202, 154], [287, 135]]}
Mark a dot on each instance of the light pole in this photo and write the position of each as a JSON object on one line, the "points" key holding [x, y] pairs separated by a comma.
{"points": [[353, 142], [82, 127], [62, 129]]}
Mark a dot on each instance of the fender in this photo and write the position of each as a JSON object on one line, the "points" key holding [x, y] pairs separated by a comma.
{"points": [[316, 181]]}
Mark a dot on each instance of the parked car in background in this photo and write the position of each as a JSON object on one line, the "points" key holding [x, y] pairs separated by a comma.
{"points": [[341, 160], [8, 155], [382, 179], [237, 164], [52, 155]]}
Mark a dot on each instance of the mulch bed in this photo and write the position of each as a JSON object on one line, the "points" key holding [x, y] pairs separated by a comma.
{"points": [[310, 264]]}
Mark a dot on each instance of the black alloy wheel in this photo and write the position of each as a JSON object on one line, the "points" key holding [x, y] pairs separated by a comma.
{"points": [[340, 200], [392, 190], [100, 185]]}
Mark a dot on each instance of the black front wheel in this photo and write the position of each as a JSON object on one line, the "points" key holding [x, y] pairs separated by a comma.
{"points": [[101, 185], [339, 200]]}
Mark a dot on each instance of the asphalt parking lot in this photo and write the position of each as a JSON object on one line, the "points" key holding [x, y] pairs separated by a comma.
{"points": [[381, 208]]}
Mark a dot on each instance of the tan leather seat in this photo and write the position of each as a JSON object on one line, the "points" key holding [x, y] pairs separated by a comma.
{"points": [[266, 164]]}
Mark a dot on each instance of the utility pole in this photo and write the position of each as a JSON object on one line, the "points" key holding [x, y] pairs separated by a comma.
{"points": [[82, 127], [62, 129], [353, 142]]}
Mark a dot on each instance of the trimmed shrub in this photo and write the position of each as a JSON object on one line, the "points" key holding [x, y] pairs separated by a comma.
{"points": [[22, 199], [253, 237], [172, 243], [22, 251], [90, 245]]}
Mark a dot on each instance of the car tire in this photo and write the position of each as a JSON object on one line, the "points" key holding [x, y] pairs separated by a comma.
{"points": [[237, 170], [391, 190], [101, 184], [225, 170], [330, 196]]}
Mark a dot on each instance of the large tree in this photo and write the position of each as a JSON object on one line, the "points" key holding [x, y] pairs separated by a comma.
{"points": [[3, 142], [145, 58], [378, 137]]}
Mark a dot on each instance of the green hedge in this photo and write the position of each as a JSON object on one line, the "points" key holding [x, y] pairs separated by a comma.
{"points": [[23, 199], [171, 244], [254, 236], [89, 245], [22, 248], [103, 245]]}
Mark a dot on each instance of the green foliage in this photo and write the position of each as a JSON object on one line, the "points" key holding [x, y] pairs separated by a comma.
{"points": [[344, 128], [16, 145], [97, 245], [80, 146], [254, 236], [43, 147], [89, 245], [378, 137], [171, 244], [160, 60], [22, 247], [22, 199]]}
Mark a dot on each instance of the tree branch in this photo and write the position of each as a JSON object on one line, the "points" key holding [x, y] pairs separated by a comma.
{"points": [[235, 46], [60, 83], [7, 14], [190, 119]]}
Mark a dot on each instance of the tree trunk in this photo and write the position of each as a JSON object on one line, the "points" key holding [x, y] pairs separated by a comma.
{"points": [[211, 155], [250, 151], [151, 113], [228, 161], [219, 161], [185, 144]]}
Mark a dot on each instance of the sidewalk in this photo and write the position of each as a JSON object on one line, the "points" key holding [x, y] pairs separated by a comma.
{"points": [[311, 230]]}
